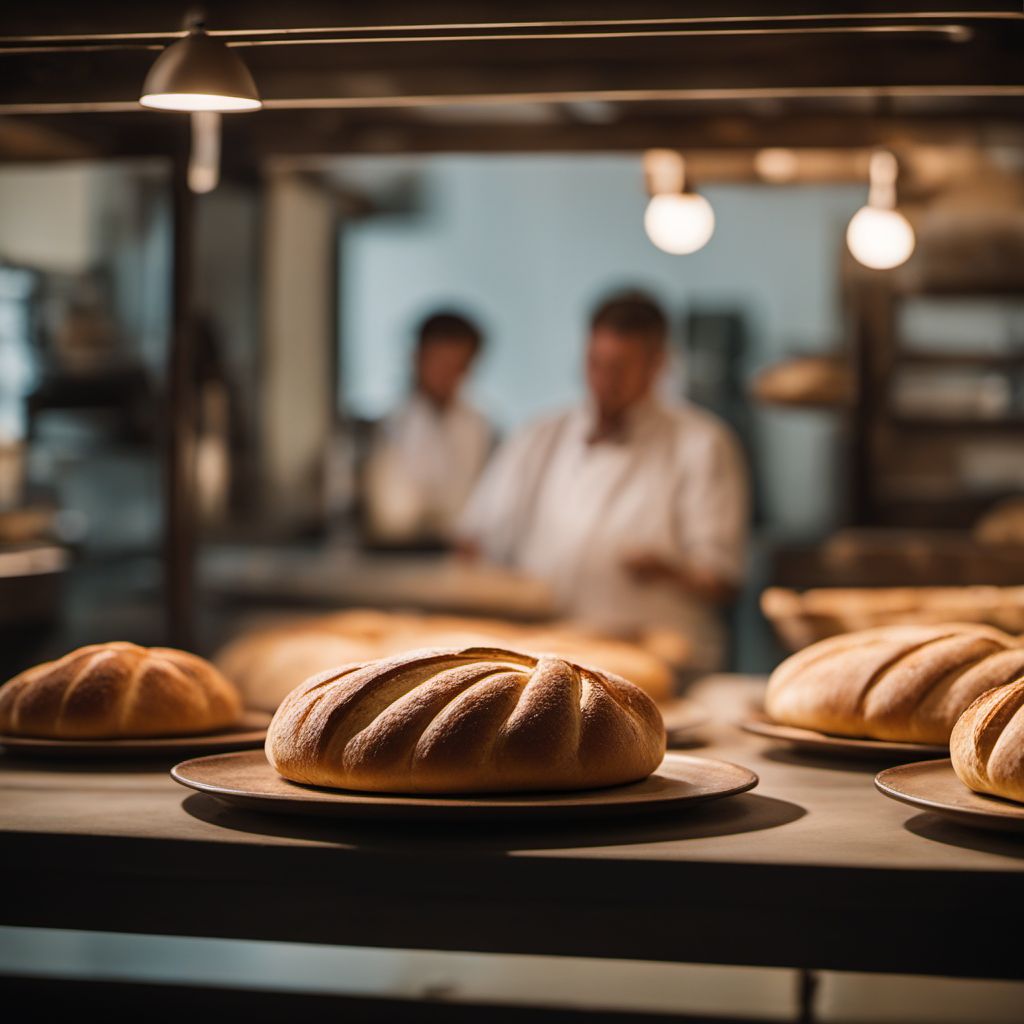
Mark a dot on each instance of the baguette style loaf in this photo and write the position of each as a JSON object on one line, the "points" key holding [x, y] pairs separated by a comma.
{"points": [[903, 683], [987, 745], [118, 690], [466, 720]]}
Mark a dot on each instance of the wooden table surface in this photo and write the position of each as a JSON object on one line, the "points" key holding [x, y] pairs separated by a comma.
{"points": [[812, 869]]}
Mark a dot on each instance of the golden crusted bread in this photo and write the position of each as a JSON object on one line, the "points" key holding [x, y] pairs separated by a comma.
{"points": [[112, 690], [904, 683], [268, 663], [466, 720], [987, 745]]}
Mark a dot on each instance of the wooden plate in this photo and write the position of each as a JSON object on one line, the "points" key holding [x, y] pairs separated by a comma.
{"points": [[250, 732], [247, 780], [840, 746], [933, 786]]}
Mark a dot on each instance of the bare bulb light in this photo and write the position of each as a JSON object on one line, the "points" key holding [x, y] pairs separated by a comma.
{"points": [[880, 239], [878, 235], [677, 221]]}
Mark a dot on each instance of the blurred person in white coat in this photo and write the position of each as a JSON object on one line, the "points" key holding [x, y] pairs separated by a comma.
{"points": [[634, 511], [427, 455]]}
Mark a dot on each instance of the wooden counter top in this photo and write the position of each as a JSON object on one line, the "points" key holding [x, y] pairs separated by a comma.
{"points": [[812, 869]]}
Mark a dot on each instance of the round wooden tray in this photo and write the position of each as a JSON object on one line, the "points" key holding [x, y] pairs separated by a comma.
{"points": [[247, 780], [250, 732], [933, 786], [840, 746]]}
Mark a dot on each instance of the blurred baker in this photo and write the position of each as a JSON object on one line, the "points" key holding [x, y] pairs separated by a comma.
{"points": [[634, 511], [427, 455]]}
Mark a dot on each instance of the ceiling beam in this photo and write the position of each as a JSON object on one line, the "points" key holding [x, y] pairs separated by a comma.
{"points": [[163, 18], [394, 75], [250, 141]]}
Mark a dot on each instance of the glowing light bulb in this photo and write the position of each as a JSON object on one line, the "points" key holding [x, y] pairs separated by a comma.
{"points": [[880, 239], [676, 221], [777, 166], [679, 223], [878, 235]]}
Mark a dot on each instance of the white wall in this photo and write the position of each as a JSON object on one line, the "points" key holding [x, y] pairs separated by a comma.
{"points": [[529, 243], [48, 215]]}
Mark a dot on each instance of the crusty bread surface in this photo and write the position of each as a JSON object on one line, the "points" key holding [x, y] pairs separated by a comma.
{"points": [[987, 745], [119, 690], [902, 683], [466, 720]]}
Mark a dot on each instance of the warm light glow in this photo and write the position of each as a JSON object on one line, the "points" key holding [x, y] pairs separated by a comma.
{"points": [[776, 165], [204, 159], [679, 223], [193, 101], [880, 239]]}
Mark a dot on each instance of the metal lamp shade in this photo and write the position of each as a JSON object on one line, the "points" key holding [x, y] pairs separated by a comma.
{"points": [[199, 73]]}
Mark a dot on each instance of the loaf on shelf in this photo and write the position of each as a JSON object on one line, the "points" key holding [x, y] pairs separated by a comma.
{"points": [[804, 618], [268, 663]]}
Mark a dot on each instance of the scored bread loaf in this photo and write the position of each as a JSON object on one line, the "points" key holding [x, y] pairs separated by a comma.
{"points": [[987, 745], [903, 683], [112, 690], [466, 720]]}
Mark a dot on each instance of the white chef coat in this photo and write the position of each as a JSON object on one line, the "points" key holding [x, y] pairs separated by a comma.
{"points": [[569, 511], [422, 466]]}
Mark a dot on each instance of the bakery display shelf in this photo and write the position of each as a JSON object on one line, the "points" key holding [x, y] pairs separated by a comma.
{"points": [[247, 780], [250, 732], [759, 724], [933, 786]]}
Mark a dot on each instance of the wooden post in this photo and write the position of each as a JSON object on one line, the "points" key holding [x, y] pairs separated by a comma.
{"points": [[179, 463]]}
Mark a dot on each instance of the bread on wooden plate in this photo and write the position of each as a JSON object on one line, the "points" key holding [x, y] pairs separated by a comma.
{"points": [[987, 745], [466, 720], [904, 683], [118, 690]]}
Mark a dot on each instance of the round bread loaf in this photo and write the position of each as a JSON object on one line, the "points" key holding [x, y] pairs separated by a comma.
{"points": [[466, 720], [987, 745], [269, 664], [903, 683], [106, 691]]}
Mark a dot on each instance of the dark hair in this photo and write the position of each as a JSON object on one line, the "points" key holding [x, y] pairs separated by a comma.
{"points": [[449, 326], [631, 312]]}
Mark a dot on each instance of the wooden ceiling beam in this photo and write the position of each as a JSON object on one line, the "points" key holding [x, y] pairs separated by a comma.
{"points": [[164, 17], [989, 64], [250, 141]]}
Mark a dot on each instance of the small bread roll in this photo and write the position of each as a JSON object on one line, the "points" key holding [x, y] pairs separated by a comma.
{"points": [[466, 720], [107, 691], [902, 683], [987, 745]]}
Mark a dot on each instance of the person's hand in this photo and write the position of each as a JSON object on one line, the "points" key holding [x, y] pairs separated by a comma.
{"points": [[648, 567], [466, 549]]}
